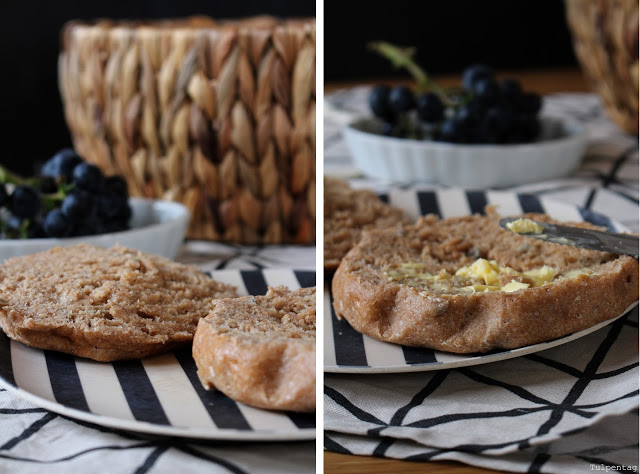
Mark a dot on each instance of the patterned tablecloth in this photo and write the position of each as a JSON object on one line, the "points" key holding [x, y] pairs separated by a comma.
{"points": [[573, 408], [34, 440]]}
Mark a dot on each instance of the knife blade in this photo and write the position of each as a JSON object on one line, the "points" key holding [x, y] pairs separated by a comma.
{"points": [[578, 237]]}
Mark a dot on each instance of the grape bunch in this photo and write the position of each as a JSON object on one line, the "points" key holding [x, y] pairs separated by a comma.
{"points": [[482, 110], [69, 198]]}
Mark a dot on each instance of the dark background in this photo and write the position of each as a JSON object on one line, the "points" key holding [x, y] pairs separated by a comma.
{"points": [[449, 34]]}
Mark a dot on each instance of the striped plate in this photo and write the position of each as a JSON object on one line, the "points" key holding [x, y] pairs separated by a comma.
{"points": [[348, 351], [158, 395]]}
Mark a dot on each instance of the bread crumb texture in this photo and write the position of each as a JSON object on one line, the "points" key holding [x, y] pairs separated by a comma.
{"points": [[347, 212], [430, 285], [260, 350], [104, 304]]}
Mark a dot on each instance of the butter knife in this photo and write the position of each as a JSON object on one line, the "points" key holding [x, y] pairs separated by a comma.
{"points": [[575, 236]]}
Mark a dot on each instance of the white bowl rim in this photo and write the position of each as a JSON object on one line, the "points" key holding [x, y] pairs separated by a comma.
{"points": [[180, 210]]}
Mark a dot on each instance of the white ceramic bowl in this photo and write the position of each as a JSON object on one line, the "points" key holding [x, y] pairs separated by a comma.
{"points": [[157, 227], [556, 153]]}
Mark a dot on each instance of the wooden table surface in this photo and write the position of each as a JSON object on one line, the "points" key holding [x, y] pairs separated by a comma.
{"points": [[541, 81]]}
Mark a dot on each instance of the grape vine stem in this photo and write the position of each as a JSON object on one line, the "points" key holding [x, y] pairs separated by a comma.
{"points": [[403, 58]]}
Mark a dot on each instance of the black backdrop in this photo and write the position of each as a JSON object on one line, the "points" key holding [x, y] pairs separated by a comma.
{"points": [[449, 34], [508, 34]]}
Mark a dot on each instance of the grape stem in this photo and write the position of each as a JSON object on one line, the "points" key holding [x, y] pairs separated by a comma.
{"points": [[49, 201], [403, 58], [7, 177]]}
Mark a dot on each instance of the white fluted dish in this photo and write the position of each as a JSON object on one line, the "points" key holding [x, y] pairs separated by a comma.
{"points": [[556, 153], [157, 227]]}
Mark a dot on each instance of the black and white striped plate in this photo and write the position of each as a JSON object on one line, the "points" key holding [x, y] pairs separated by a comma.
{"points": [[158, 395], [348, 351]]}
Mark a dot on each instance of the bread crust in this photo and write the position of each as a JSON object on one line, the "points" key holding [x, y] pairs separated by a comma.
{"points": [[104, 304], [272, 368], [478, 322]]}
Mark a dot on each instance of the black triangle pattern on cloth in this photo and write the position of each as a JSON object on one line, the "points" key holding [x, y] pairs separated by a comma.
{"points": [[140, 452], [569, 405], [583, 377]]}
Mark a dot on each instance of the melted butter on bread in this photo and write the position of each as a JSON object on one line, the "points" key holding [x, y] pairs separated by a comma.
{"points": [[482, 275], [490, 272]]}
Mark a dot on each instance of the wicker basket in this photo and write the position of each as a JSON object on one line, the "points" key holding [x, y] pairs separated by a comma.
{"points": [[605, 38], [217, 115]]}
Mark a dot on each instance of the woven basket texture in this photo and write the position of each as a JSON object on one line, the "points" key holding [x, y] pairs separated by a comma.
{"points": [[605, 38], [218, 115]]}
